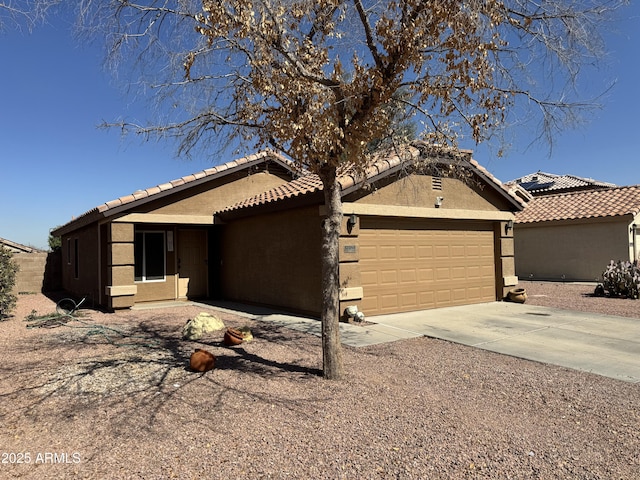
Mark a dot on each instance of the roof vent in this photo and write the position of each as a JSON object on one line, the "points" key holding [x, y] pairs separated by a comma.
{"points": [[436, 183], [534, 178]]}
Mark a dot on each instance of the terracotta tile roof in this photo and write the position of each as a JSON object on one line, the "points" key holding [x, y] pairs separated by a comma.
{"points": [[584, 204], [301, 186], [350, 179], [540, 183], [186, 181], [214, 171]]}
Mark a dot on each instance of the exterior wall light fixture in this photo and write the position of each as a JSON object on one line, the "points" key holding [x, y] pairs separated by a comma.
{"points": [[508, 227]]}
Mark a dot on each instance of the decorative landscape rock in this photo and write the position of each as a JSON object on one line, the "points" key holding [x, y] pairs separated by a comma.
{"points": [[202, 361], [247, 336], [203, 323]]}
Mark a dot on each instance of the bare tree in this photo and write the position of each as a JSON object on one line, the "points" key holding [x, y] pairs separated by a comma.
{"points": [[23, 13], [317, 79]]}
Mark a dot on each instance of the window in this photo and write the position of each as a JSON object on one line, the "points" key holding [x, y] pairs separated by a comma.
{"points": [[149, 256], [76, 259]]}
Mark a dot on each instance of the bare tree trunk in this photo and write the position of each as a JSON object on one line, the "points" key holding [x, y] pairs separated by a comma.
{"points": [[331, 347]]}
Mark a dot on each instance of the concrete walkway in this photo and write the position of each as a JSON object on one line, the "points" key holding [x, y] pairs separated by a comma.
{"points": [[601, 344]]}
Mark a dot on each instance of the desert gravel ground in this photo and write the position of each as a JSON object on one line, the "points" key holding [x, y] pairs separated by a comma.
{"points": [[110, 396]]}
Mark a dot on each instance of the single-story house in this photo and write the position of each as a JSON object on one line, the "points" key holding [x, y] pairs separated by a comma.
{"points": [[414, 237], [573, 236]]}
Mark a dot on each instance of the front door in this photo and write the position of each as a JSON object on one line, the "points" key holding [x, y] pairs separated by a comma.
{"points": [[192, 263]]}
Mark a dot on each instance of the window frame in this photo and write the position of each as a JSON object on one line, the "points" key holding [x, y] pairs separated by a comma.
{"points": [[143, 278], [76, 258]]}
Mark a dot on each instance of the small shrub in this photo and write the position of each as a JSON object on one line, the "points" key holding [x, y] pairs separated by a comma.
{"points": [[622, 279], [8, 270]]}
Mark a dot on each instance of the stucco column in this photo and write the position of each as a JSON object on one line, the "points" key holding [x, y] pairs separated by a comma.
{"points": [[350, 282], [121, 288], [505, 256]]}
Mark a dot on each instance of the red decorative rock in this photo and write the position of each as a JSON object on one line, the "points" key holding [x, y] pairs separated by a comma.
{"points": [[232, 337], [202, 361]]}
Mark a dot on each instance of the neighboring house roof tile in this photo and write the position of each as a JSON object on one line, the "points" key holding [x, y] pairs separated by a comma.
{"points": [[541, 183], [584, 204], [17, 247]]}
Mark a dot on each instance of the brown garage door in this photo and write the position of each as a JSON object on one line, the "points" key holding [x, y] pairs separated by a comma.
{"points": [[414, 265]]}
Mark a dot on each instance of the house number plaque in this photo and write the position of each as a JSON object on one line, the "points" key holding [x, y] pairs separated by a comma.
{"points": [[349, 249]]}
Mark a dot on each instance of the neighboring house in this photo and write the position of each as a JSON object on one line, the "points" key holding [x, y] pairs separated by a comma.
{"points": [[541, 183], [14, 247], [250, 231], [573, 236]]}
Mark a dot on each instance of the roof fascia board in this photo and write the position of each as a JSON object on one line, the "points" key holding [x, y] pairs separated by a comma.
{"points": [[421, 212], [77, 224], [499, 188]]}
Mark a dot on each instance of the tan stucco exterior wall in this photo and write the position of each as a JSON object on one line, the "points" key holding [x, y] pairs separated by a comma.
{"points": [[571, 250], [88, 266], [214, 195], [274, 259], [417, 190]]}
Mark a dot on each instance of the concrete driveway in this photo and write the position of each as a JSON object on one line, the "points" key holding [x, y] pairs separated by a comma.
{"points": [[601, 344]]}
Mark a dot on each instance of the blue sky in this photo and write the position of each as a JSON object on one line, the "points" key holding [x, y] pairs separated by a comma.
{"points": [[56, 164]]}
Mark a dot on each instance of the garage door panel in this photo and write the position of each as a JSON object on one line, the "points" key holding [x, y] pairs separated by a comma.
{"points": [[407, 251], [443, 274], [459, 294], [408, 276], [441, 251], [424, 251], [425, 275], [427, 298], [409, 265], [368, 252], [409, 300], [388, 277], [389, 301], [474, 271], [370, 304], [443, 297], [387, 251], [369, 277]]}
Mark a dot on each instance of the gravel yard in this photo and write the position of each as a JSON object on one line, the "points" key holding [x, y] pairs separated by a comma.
{"points": [[110, 396]]}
